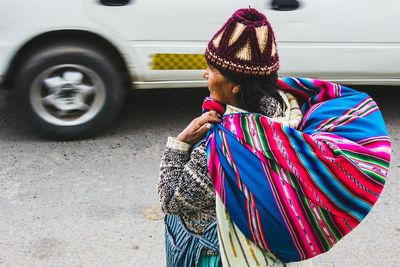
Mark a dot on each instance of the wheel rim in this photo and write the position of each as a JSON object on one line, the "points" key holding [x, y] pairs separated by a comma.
{"points": [[68, 95]]}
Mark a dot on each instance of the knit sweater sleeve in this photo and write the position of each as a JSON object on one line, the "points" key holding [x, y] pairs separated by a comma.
{"points": [[184, 185]]}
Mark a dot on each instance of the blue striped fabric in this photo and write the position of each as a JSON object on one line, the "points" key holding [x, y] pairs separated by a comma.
{"points": [[296, 192], [183, 248]]}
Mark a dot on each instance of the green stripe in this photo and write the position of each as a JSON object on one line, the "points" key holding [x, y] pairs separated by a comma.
{"points": [[350, 112], [294, 182], [380, 179], [327, 122], [363, 104], [366, 158], [246, 131], [315, 224], [328, 221], [330, 224], [311, 216], [263, 140]]}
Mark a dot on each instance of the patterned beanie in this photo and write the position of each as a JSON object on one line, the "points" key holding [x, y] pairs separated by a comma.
{"points": [[244, 45]]}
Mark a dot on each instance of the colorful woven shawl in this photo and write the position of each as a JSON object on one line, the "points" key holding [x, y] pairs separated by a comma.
{"points": [[297, 192]]}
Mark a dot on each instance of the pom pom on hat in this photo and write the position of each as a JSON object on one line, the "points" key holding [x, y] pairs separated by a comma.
{"points": [[245, 45]]}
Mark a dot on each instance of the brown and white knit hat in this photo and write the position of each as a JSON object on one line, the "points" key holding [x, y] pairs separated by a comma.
{"points": [[245, 45]]}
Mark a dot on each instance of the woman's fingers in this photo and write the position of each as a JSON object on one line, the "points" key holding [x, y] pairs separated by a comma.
{"points": [[209, 117], [199, 127], [205, 122], [203, 129], [213, 114]]}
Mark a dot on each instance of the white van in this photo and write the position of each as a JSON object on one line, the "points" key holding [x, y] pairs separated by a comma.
{"points": [[72, 60]]}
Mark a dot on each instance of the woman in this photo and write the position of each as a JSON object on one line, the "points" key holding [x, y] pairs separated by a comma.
{"points": [[282, 195], [185, 186]]}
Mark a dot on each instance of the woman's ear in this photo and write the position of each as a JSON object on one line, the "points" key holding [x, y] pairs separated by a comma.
{"points": [[236, 89]]}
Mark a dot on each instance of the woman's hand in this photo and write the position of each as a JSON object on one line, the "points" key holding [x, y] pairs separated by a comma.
{"points": [[198, 127]]}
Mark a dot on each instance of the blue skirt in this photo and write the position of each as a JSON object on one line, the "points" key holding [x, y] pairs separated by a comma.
{"points": [[210, 261], [184, 248]]}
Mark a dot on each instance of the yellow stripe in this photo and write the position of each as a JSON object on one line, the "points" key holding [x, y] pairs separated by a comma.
{"points": [[178, 62], [233, 246], [252, 252]]}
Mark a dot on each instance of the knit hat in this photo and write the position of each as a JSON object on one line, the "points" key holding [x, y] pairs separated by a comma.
{"points": [[245, 45]]}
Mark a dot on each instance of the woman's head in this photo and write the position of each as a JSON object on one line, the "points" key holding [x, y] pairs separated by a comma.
{"points": [[239, 90], [221, 88], [242, 56]]}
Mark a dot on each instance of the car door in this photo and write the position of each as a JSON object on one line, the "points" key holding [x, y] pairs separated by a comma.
{"points": [[163, 35], [332, 39]]}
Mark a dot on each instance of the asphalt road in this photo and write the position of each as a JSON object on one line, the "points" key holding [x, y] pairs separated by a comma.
{"points": [[94, 203]]}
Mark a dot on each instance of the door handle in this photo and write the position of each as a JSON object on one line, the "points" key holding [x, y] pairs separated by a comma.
{"points": [[115, 2], [285, 5]]}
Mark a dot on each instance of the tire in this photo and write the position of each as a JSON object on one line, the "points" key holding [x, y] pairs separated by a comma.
{"points": [[69, 91]]}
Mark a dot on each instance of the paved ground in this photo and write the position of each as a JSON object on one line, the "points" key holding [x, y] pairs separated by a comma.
{"points": [[93, 202]]}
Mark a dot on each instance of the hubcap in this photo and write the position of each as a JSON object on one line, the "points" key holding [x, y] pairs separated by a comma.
{"points": [[68, 95]]}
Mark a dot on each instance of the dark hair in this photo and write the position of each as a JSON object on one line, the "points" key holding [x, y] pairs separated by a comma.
{"points": [[253, 88]]}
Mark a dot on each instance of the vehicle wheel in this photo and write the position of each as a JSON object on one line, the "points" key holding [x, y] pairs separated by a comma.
{"points": [[69, 91]]}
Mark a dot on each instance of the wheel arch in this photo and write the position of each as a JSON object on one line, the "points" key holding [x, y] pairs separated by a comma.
{"points": [[59, 36]]}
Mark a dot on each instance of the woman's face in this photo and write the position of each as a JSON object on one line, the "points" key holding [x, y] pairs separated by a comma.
{"points": [[221, 89]]}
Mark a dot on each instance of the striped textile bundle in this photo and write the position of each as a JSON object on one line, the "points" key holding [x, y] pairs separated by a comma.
{"points": [[297, 192]]}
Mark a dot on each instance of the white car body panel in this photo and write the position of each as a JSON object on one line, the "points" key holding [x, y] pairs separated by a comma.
{"points": [[345, 41]]}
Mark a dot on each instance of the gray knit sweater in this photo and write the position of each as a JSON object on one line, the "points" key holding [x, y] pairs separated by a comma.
{"points": [[185, 186]]}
